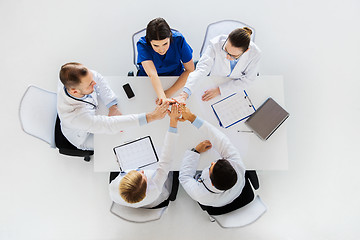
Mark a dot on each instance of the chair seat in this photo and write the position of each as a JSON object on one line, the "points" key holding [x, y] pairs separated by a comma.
{"points": [[138, 215], [242, 216], [65, 147], [247, 195]]}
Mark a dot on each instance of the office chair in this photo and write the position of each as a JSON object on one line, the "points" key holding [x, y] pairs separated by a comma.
{"points": [[223, 27], [38, 118], [244, 210], [142, 215], [135, 38]]}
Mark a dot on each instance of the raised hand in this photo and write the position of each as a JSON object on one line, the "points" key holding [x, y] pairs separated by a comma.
{"points": [[186, 114], [159, 112]]}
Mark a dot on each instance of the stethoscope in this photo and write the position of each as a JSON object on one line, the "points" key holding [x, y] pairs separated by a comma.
{"points": [[66, 92], [202, 181]]}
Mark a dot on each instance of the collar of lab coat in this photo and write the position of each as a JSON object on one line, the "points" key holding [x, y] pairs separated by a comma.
{"points": [[207, 181]]}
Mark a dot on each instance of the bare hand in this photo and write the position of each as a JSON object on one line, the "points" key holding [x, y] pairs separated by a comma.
{"points": [[175, 112], [114, 111], [159, 112], [210, 94], [186, 114], [159, 101], [203, 146], [181, 99]]}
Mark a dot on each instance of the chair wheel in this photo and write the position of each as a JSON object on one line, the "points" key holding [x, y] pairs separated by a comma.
{"points": [[87, 159]]}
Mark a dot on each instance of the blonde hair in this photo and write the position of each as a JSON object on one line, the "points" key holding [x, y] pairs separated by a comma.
{"points": [[241, 37], [133, 187]]}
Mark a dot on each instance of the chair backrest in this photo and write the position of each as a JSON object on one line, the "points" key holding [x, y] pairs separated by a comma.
{"points": [[135, 38], [242, 216], [137, 215], [37, 113], [223, 27]]}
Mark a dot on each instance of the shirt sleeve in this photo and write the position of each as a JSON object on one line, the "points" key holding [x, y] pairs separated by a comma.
{"points": [[103, 90], [185, 51], [165, 160], [102, 124], [144, 52], [247, 78], [188, 167], [219, 140], [203, 68]]}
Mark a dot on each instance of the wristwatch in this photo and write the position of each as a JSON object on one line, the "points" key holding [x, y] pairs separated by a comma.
{"points": [[194, 150]]}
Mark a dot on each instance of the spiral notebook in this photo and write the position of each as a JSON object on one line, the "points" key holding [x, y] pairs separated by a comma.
{"points": [[136, 154], [233, 109]]}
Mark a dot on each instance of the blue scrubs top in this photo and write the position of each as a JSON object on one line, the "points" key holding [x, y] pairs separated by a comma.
{"points": [[169, 64]]}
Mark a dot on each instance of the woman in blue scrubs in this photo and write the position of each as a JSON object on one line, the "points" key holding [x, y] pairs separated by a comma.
{"points": [[164, 52]]}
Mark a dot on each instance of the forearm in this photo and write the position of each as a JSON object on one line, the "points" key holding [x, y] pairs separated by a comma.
{"points": [[218, 139], [165, 158], [106, 125], [155, 81], [180, 83]]}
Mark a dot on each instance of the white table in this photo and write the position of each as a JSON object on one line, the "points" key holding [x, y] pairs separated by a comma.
{"points": [[256, 154]]}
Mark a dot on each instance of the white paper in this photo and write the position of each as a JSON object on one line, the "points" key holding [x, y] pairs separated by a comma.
{"points": [[135, 154], [233, 108]]}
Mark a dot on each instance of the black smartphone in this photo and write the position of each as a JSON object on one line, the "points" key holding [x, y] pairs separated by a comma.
{"points": [[129, 92]]}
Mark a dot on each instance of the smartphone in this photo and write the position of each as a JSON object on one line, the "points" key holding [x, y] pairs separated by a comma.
{"points": [[129, 92]]}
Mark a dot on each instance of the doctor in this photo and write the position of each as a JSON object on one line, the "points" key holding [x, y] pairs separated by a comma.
{"points": [[164, 52], [221, 182], [233, 56], [151, 187], [77, 102]]}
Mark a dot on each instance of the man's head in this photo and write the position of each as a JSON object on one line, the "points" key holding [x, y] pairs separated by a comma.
{"points": [[133, 186], [222, 175], [77, 79]]}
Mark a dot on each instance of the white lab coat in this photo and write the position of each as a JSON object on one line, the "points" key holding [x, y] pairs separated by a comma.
{"points": [[79, 120], [196, 189], [214, 62], [158, 184]]}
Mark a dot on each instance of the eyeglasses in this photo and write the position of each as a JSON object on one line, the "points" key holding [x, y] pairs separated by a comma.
{"points": [[230, 55]]}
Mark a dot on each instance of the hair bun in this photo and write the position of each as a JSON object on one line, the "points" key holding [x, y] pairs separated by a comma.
{"points": [[248, 30]]}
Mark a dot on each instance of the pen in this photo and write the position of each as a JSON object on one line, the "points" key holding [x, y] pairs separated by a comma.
{"points": [[245, 131]]}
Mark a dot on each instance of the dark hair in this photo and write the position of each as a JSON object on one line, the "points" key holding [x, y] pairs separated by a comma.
{"points": [[70, 74], [157, 29], [240, 38], [223, 175]]}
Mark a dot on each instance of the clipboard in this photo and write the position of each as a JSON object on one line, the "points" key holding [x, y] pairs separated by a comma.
{"points": [[136, 154], [233, 109]]}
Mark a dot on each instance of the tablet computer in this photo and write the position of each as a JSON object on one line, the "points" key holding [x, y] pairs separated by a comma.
{"points": [[136, 154], [267, 118]]}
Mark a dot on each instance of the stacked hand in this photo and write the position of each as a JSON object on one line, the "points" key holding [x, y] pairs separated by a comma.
{"points": [[159, 112], [174, 115], [161, 100], [186, 114]]}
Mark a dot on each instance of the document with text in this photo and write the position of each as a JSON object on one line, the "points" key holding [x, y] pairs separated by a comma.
{"points": [[136, 154], [233, 109]]}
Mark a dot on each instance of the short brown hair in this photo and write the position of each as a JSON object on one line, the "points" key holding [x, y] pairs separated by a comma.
{"points": [[240, 38], [133, 187], [70, 74]]}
